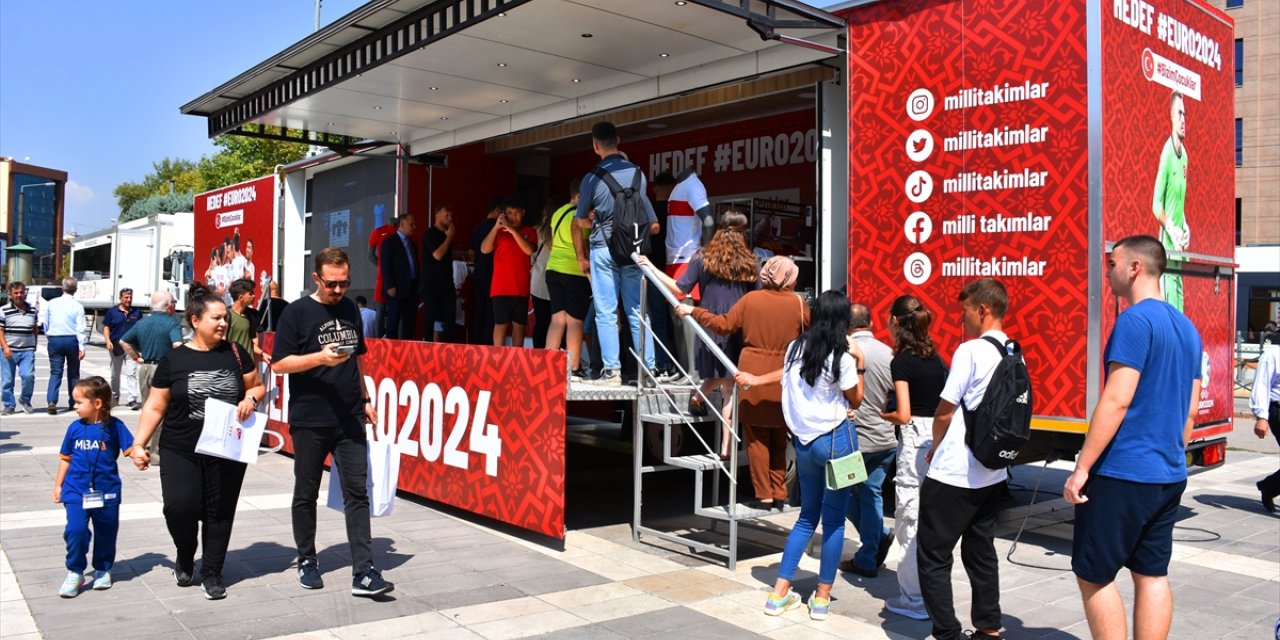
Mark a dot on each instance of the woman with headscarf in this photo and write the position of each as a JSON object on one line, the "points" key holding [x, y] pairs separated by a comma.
{"points": [[724, 271], [769, 319]]}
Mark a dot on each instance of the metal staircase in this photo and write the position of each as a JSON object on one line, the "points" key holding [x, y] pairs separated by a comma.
{"points": [[664, 405]]}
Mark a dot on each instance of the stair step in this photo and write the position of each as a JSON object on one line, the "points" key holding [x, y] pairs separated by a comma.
{"points": [[702, 462], [675, 417], [741, 512]]}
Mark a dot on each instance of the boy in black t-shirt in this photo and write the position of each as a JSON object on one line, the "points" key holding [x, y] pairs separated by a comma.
{"points": [[318, 343]]}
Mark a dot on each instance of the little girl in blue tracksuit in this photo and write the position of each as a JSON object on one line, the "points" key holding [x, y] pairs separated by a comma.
{"points": [[88, 485]]}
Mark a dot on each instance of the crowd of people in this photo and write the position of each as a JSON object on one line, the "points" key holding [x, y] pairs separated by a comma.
{"points": [[813, 376]]}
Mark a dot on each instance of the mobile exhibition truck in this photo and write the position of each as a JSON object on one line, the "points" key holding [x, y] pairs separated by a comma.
{"points": [[893, 147]]}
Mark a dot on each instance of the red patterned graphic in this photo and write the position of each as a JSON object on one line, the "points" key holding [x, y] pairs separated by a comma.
{"points": [[243, 212], [963, 71], [1136, 126], [494, 439]]}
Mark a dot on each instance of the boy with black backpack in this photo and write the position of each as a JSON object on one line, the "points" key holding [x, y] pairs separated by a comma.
{"points": [[959, 499], [614, 206]]}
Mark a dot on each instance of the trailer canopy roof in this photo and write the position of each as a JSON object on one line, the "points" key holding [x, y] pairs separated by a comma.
{"points": [[434, 74]]}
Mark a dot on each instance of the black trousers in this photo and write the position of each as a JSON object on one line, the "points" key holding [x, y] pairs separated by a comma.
{"points": [[541, 321], [481, 314], [442, 307], [953, 514], [350, 450], [196, 488], [402, 315], [1270, 485]]}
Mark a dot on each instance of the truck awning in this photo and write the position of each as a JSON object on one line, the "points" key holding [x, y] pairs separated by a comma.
{"points": [[434, 74]]}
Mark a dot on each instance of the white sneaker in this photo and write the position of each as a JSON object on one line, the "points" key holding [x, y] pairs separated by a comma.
{"points": [[895, 606]]}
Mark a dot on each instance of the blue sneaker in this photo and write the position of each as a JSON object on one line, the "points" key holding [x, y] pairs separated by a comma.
{"points": [[71, 585], [309, 574], [777, 605], [370, 583]]}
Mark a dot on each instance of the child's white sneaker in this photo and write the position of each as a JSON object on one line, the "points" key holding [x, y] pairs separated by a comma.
{"points": [[71, 586], [102, 581]]}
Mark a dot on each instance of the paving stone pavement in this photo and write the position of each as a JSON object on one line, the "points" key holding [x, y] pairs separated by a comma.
{"points": [[459, 576]]}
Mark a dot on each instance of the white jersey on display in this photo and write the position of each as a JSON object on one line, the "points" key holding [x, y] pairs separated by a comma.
{"points": [[684, 227]]}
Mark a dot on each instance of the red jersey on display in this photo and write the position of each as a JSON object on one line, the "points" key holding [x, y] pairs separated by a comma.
{"points": [[510, 264]]}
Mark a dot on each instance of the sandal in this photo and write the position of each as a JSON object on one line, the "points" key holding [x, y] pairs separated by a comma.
{"points": [[697, 406]]}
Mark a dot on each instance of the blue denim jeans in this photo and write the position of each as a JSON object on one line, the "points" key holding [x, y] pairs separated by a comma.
{"points": [[64, 351], [819, 503], [24, 364], [866, 507], [609, 284]]}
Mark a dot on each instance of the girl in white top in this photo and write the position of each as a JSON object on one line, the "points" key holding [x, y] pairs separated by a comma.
{"points": [[820, 383]]}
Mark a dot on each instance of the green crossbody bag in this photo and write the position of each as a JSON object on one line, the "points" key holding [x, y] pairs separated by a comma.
{"points": [[845, 471]]}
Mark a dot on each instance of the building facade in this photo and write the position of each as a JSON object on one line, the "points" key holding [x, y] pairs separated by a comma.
{"points": [[1256, 56], [31, 213]]}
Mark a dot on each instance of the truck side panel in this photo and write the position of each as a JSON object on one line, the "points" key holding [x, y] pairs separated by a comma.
{"points": [[969, 157]]}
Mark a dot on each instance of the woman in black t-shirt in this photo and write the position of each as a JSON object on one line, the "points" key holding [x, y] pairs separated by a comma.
{"points": [[918, 377], [198, 487]]}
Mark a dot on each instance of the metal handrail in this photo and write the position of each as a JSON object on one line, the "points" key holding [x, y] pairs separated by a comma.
{"points": [[730, 366]]}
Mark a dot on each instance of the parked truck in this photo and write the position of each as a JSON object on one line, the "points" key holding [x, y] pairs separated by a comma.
{"points": [[146, 255]]}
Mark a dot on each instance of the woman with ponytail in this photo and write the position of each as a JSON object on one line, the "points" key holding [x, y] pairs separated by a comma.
{"points": [[918, 377]]}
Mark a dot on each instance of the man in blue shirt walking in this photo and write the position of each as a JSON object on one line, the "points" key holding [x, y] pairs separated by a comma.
{"points": [[118, 321]]}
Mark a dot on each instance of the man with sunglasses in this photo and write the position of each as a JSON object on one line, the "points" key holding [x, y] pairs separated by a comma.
{"points": [[318, 343]]}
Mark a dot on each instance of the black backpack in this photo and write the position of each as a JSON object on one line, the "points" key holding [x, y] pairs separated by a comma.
{"points": [[630, 222], [997, 430]]}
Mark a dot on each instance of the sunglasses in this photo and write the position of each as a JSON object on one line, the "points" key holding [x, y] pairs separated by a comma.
{"points": [[336, 284]]}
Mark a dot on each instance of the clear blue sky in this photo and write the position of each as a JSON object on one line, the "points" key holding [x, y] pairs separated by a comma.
{"points": [[93, 88]]}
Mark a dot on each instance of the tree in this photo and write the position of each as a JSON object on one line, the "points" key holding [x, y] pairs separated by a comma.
{"points": [[239, 158]]}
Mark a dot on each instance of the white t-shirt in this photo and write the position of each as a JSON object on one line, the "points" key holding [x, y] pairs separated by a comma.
{"points": [[811, 411], [684, 227], [971, 369], [237, 268]]}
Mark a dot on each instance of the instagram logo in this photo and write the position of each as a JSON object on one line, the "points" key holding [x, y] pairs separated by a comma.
{"points": [[919, 186], [920, 104], [917, 268]]}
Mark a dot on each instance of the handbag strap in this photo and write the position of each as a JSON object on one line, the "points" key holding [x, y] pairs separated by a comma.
{"points": [[849, 429]]}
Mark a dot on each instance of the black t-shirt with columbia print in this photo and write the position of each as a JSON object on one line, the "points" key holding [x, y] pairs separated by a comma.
{"points": [[322, 396], [192, 377]]}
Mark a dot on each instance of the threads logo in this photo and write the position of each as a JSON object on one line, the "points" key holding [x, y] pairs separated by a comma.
{"points": [[917, 268]]}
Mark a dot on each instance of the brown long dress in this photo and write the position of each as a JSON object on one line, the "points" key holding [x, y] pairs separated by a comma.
{"points": [[769, 320]]}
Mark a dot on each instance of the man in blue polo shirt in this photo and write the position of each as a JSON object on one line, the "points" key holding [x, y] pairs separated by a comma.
{"points": [[1132, 469], [609, 279], [117, 321]]}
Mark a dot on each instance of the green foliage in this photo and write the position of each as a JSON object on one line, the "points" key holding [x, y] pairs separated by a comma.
{"points": [[162, 203], [239, 158]]}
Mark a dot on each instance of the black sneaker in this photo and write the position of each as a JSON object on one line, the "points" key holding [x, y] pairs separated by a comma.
{"points": [[213, 587], [309, 574], [183, 578], [370, 583], [978, 635], [53, 409], [882, 552]]}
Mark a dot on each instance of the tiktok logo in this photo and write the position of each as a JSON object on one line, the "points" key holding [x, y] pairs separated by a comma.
{"points": [[919, 186]]}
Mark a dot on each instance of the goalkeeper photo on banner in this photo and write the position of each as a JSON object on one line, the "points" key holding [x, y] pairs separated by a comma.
{"points": [[1169, 200]]}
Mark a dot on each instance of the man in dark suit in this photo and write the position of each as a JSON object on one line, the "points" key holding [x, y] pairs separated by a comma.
{"points": [[399, 266]]}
